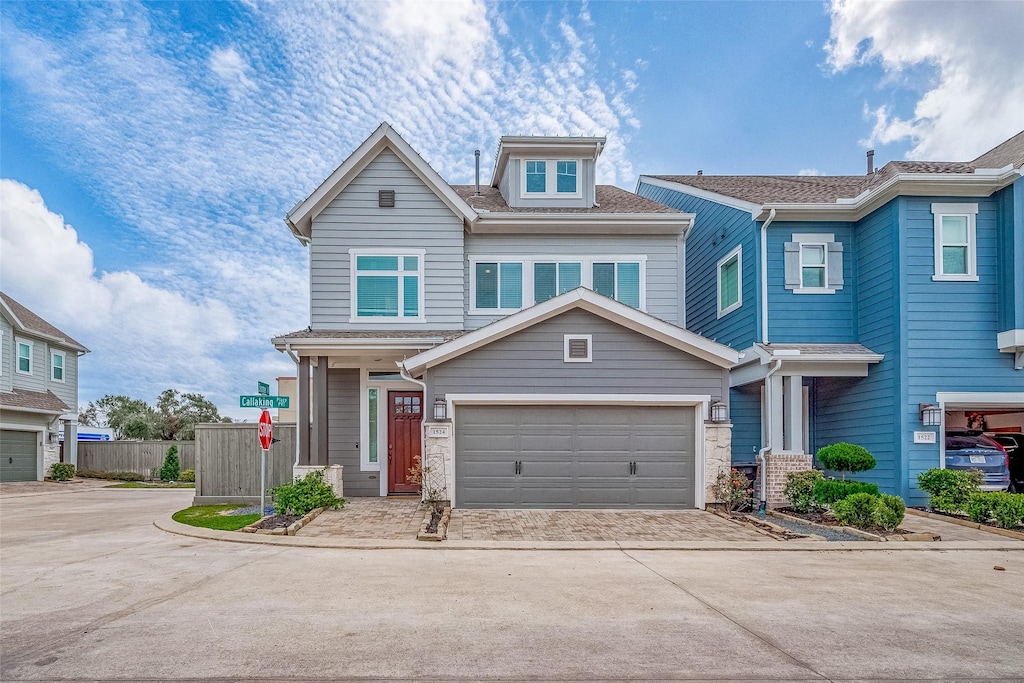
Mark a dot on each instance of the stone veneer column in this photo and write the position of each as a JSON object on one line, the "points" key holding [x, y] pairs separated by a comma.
{"points": [[717, 454], [332, 476], [437, 458], [778, 465]]}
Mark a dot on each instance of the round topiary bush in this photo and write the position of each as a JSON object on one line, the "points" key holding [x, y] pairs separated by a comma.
{"points": [[846, 457]]}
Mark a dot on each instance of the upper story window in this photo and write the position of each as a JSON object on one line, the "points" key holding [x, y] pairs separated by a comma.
{"points": [[730, 282], [956, 256], [551, 178], [24, 356], [57, 366], [505, 286], [814, 264], [387, 284]]}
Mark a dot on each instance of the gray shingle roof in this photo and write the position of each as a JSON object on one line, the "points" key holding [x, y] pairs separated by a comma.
{"points": [[33, 323], [820, 349], [610, 199], [33, 400], [1009, 152]]}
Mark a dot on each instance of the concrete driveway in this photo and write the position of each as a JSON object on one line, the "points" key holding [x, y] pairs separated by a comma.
{"points": [[90, 589]]}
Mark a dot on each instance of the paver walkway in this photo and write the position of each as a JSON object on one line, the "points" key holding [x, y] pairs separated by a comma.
{"points": [[400, 518]]}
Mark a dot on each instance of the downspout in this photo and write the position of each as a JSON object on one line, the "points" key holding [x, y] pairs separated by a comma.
{"points": [[406, 376], [761, 465], [764, 276]]}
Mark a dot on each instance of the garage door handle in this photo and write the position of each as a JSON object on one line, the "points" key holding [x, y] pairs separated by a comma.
{"points": [[519, 466], [632, 467]]}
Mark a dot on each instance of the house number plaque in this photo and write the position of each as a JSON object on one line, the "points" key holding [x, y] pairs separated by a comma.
{"points": [[438, 431]]}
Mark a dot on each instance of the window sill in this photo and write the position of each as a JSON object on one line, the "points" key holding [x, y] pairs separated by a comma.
{"points": [[551, 195], [387, 320], [814, 290], [492, 311], [726, 311], [955, 278]]}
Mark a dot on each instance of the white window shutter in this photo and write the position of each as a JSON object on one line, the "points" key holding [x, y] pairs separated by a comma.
{"points": [[835, 265], [792, 265]]}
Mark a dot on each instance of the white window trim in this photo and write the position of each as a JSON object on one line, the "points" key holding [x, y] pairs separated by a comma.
{"points": [[815, 239], [970, 211], [586, 276], [566, 338], [17, 356], [738, 254], [63, 366], [400, 319], [1, 352], [551, 180]]}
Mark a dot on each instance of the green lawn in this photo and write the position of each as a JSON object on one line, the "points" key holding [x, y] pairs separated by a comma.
{"points": [[213, 517], [144, 485]]}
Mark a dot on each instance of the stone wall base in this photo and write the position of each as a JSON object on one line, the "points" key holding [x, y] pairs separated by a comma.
{"points": [[717, 455], [778, 465], [51, 456], [332, 475]]}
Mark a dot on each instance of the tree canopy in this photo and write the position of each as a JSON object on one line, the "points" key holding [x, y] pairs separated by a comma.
{"points": [[174, 418]]}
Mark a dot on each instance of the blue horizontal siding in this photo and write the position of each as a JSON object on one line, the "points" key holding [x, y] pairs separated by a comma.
{"points": [[717, 230], [745, 414]]}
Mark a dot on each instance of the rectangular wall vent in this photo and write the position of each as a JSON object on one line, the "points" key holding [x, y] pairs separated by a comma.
{"points": [[385, 198], [577, 348]]}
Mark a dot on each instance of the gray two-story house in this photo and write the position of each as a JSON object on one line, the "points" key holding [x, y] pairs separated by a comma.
{"points": [[38, 393], [526, 337]]}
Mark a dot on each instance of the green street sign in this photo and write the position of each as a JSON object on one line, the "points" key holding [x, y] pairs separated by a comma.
{"points": [[264, 401], [263, 389]]}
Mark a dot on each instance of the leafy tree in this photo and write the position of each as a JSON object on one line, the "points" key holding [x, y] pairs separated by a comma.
{"points": [[174, 418], [171, 469], [130, 418], [181, 412]]}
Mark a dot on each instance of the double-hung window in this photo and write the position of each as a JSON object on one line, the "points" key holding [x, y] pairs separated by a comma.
{"points": [[57, 366], [550, 178], [552, 279], [497, 286], [387, 284], [730, 282], [619, 281], [814, 264], [24, 359], [956, 255]]}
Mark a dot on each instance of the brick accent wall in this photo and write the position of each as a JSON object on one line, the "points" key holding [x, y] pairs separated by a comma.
{"points": [[778, 465]]}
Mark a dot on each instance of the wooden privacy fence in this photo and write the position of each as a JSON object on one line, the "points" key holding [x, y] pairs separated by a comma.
{"points": [[228, 462], [140, 457]]}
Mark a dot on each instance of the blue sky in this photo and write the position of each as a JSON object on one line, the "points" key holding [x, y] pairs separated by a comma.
{"points": [[149, 151]]}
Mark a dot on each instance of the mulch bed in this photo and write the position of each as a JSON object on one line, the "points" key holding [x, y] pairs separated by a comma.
{"points": [[962, 516], [435, 520], [828, 520], [278, 521]]}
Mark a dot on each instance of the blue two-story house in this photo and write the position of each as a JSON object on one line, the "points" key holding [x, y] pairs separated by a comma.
{"points": [[521, 340], [880, 309]]}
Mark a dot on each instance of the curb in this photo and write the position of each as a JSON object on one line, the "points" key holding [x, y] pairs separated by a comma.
{"points": [[168, 525], [968, 523]]}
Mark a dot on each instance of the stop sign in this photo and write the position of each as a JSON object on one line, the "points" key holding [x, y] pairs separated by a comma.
{"points": [[266, 430]]}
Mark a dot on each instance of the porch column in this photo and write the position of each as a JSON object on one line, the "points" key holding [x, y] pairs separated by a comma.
{"points": [[793, 409], [302, 412], [71, 442], [319, 454], [774, 395]]}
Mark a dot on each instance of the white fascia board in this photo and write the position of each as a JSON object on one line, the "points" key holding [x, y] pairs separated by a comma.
{"points": [[579, 399], [980, 399], [583, 223], [34, 411], [750, 207], [612, 310], [356, 343], [901, 184], [300, 218], [550, 147], [1010, 341]]}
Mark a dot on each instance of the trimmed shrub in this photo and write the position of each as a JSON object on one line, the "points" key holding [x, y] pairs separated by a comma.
{"points": [[857, 510], [951, 490], [827, 492], [979, 507], [112, 476], [799, 490], [732, 489], [62, 471], [1007, 509], [304, 495], [846, 457], [187, 475], [172, 467], [889, 512]]}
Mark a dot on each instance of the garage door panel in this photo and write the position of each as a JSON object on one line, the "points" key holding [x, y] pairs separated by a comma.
{"points": [[605, 469], [536, 467], [18, 455], [545, 443]]}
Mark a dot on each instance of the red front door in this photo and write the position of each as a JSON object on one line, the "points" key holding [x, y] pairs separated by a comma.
{"points": [[405, 415]]}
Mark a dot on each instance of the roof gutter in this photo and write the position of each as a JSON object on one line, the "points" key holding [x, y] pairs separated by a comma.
{"points": [[764, 276]]}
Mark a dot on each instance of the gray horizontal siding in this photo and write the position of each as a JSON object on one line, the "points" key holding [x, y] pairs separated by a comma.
{"points": [[343, 401], [531, 361], [40, 365], [6, 354], [419, 220], [662, 252]]}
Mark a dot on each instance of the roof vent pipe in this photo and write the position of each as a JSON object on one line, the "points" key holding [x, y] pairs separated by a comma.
{"points": [[871, 161], [477, 153], [700, 172]]}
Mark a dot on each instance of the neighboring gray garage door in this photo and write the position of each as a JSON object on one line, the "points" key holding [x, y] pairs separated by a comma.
{"points": [[574, 456], [18, 455]]}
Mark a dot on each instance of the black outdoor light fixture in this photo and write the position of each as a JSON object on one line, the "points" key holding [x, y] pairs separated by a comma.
{"points": [[931, 414], [719, 412], [440, 409]]}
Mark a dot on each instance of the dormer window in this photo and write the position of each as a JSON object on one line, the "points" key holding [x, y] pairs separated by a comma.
{"points": [[551, 178]]}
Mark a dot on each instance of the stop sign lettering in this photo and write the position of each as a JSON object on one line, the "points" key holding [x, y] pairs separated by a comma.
{"points": [[266, 430]]}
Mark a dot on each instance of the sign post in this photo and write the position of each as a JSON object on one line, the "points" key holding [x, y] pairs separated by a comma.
{"points": [[266, 433]]}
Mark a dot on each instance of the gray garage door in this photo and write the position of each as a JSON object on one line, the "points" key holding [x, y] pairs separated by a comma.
{"points": [[18, 455], [574, 457]]}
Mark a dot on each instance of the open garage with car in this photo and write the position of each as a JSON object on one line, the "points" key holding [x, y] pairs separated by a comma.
{"points": [[980, 430]]}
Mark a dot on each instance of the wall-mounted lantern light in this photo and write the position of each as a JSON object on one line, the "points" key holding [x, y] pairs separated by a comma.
{"points": [[440, 409], [719, 412], [931, 414]]}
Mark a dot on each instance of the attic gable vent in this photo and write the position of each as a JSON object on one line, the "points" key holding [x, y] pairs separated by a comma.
{"points": [[385, 198], [577, 348]]}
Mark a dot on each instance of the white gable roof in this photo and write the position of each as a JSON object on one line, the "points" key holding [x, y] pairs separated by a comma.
{"points": [[585, 299], [300, 218]]}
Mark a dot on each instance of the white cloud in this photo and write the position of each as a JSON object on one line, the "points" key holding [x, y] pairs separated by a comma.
{"points": [[974, 100], [232, 69], [132, 327], [809, 172]]}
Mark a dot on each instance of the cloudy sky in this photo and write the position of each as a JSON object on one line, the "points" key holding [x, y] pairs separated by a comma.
{"points": [[151, 150]]}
